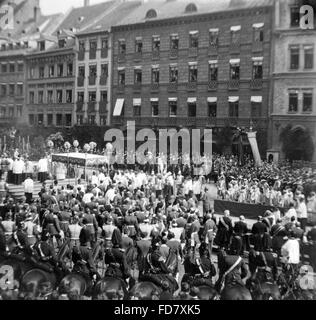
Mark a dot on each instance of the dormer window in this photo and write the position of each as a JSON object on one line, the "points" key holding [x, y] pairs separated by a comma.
{"points": [[41, 45], [61, 43], [3, 47], [10, 46], [191, 7], [151, 14]]}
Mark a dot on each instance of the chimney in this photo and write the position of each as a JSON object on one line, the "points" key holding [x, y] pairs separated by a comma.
{"points": [[36, 13], [86, 3]]}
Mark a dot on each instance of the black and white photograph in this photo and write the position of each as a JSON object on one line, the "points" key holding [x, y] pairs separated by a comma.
{"points": [[157, 150]]}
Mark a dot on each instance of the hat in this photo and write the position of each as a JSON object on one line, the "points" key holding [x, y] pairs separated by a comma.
{"points": [[242, 218]]}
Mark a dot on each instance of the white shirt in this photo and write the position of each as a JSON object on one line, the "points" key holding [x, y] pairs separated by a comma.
{"points": [[291, 213], [301, 210], [18, 166], [94, 180], [43, 165], [28, 185], [291, 250], [87, 197]]}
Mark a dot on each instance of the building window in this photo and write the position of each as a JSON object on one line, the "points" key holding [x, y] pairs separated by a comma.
{"points": [[137, 108], [258, 34], [293, 101], [69, 96], [154, 108], [308, 101], [91, 119], [105, 44], [3, 90], [81, 71], [3, 47], [138, 45], [51, 72], [103, 120], [49, 119], [173, 74], [213, 71], [93, 71], [233, 107], [193, 39], [121, 77], [50, 96], [19, 111], [235, 35], [256, 106], [212, 108], [257, 71], [81, 46], [234, 69], [11, 89], [68, 119], [40, 97], [4, 67], [41, 72], [193, 73], [59, 96], [92, 96], [308, 57], [31, 119], [174, 42], [61, 43], [32, 72], [2, 112], [31, 97], [80, 97], [60, 70], [191, 109], [93, 45], [11, 112], [138, 76], [79, 120], [295, 16], [40, 119], [20, 67], [104, 70], [156, 44], [294, 58], [20, 90], [104, 96], [12, 67], [172, 108], [214, 37], [59, 119], [155, 75], [41, 45], [69, 69], [122, 46]]}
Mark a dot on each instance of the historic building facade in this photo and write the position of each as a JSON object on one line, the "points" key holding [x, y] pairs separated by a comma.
{"points": [[293, 114], [180, 64]]}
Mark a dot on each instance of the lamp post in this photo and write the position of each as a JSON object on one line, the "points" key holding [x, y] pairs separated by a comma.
{"points": [[86, 149], [67, 146]]}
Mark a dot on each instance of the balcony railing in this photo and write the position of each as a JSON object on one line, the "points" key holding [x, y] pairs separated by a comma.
{"points": [[137, 56], [193, 52], [103, 107], [81, 55], [80, 81], [191, 86], [156, 55], [173, 86], [103, 80], [121, 57], [92, 54], [173, 53], [92, 80], [79, 107], [137, 86], [104, 53], [256, 84], [91, 106], [212, 85], [233, 84], [155, 87]]}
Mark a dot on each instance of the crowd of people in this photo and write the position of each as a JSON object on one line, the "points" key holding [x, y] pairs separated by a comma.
{"points": [[141, 222]]}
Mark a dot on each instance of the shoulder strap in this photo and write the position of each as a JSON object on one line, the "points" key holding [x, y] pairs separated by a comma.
{"points": [[264, 259], [233, 266]]}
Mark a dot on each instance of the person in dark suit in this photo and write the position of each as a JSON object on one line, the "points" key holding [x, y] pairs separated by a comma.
{"points": [[225, 230], [258, 230], [241, 230], [143, 246]]}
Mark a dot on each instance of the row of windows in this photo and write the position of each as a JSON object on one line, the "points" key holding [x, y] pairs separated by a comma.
{"points": [[61, 119], [11, 112], [12, 67], [234, 72], [193, 40], [51, 71], [16, 46], [92, 95], [305, 97], [51, 97], [93, 45], [295, 52], [11, 89], [91, 120], [93, 70], [233, 107]]}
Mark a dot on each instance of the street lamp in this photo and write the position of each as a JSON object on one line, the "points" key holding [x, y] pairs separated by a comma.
{"points": [[86, 149]]}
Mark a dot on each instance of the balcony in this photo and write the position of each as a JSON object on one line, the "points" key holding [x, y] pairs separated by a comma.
{"points": [[212, 85], [81, 55], [79, 107], [137, 87], [154, 87], [173, 87], [92, 54], [137, 56], [173, 53], [91, 106], [256, 84], [80, 81], [103, 80], [104, 53], [92, 80], [234, 47], [103, 107], [233, 84], [257, 46], [155, 55], [191, 86], [121, 57], [213, 50], [193, 52]]}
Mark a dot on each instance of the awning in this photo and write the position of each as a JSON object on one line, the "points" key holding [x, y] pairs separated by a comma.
{"points": [[308, 47], [120, 68], [234, 61], [191, 100], [258, 25], [233, 99], [138, 38], [194, 32], [137, 67], [154, 99], [257, 58], [137, 101], [172, 65], [174, 35], [155, 66], [172, 99], [194, 63], [212, 99], [235, 28], [118, 107], [212, 61], [256, 99], [213, 30]]}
